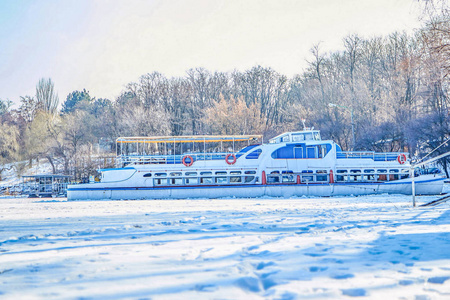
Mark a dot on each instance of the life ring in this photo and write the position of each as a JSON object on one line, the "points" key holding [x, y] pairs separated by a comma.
{"points": [[401, 159], [187, 164], [230, 162]]}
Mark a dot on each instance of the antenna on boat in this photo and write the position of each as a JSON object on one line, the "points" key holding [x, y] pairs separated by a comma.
{"points": [[304, 126]]}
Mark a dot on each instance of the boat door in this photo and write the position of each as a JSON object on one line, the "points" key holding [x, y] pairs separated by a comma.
{"points": [[293, 164], [298, 152]]}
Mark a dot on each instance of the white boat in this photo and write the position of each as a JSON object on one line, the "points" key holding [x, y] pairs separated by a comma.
{"points": [[291, 164]]}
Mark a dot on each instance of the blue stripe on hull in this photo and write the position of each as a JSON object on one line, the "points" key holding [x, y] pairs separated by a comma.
{"points": [[352, 184]]}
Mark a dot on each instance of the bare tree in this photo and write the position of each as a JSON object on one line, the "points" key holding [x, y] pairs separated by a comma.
{"points": [[46, 96]]}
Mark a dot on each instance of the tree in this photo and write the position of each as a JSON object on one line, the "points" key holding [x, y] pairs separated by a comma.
{"points": [[76, 100], [234, 117], [46, 96], [4, 106], [9, 145]]}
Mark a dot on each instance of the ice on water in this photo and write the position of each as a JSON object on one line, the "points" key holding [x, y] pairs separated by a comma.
{"points": [[349, 247]]}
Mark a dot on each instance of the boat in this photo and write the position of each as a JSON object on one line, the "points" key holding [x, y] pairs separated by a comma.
{"points": [[291, 164]]}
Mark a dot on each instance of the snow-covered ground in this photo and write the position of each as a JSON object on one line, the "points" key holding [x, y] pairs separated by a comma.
{"points": [[376, 247], [11, 177]]}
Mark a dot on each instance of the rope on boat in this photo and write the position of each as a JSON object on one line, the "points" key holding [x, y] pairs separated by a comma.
{"points": [[438, 201]]}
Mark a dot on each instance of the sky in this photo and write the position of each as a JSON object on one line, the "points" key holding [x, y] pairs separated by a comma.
{"points": [[101, 45]]}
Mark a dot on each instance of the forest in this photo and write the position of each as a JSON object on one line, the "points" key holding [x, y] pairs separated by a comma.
{"points": [[384, 93]]}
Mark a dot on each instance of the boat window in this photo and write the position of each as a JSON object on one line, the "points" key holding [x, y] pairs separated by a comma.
{"points": [[160, 174], [176, 181], [355, 175], [297, 137], [382, 171], [307, 178], [283, 152], [285, 138], [205, 173], [221, 173], [275, 172], [246, 149], [323, 175], [341, 177], [250, 172], [369, 177], [254, 155], [221, 180], [235, 172], [160, 181], [273, 179], [235, 179], [308, 136], [288, 178], [191, 180], [298, 151], [206, 180], [190, 173], [175, 174], [404, 174], [393, 176], [248, 179], [369, 171], [148, 175], [382, 177]]}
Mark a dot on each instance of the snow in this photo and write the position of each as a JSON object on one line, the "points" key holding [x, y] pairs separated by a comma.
{"points": [[299, 248], [10, 176]]}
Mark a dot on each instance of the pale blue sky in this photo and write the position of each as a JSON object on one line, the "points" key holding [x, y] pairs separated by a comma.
{"points": [[103, 45]]}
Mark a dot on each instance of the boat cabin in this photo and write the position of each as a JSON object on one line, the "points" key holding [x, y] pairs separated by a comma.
{"points": [[298, 136]]}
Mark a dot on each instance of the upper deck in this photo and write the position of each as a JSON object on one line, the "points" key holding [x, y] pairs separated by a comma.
{"points": [[172, 149]]}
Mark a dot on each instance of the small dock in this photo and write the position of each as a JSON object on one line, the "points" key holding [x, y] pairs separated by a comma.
{"points": [[45, 185]]}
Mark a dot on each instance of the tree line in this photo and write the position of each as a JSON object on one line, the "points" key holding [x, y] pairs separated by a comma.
{"points": [[386, 93]]}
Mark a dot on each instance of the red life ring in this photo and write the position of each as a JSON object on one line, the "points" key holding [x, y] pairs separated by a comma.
{"points": [[227, 159], [401, 159], [187, 164]]}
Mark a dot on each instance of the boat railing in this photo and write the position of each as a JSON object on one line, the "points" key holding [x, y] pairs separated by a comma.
{"points": [[376, 156], [123, 160]]}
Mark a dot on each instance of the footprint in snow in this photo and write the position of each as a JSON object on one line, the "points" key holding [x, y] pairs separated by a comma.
{"points": [[438, 280], [205, 288], [405, 282], [315, 254], [249, 283], [317, 269], [262, 265], [354, 292], [342, 276]]}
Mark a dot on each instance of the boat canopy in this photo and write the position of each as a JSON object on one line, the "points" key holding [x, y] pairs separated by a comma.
{"points": [[188, 139], [164, 149]]}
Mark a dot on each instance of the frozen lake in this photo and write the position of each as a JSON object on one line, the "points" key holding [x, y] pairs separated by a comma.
{"points": [[308, 248]]}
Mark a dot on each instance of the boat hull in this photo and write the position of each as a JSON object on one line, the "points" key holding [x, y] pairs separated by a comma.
{"points": [[424, 185]]}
